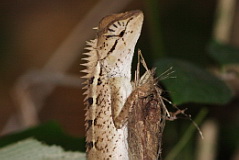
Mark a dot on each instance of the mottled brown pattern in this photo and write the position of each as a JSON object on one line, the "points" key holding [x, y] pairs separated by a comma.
{"points": [[146, 121]]}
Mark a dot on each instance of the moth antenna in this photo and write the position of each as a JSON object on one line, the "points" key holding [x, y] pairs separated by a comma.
{"points": [[167, 73]]}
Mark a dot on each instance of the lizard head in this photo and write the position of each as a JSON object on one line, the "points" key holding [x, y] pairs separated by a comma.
{"points": [[117, 36]]}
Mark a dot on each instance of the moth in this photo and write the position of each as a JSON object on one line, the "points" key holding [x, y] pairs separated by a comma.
{"points": [[146, 120], [147, 117]]}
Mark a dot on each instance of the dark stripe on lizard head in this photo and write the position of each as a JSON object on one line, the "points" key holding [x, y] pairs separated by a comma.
{"points": [[113, 47]]}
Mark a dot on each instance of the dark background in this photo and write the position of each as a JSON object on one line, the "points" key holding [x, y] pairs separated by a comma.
{"points": [[31, 32]]}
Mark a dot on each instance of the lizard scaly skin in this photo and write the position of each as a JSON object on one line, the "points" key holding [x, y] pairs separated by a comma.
{"points": [[108, 85]]}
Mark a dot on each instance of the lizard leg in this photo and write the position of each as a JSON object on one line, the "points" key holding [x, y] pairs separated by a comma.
{"points": [[122, 106]]}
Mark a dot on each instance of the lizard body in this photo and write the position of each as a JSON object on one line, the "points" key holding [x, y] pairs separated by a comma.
{"points": [[108, 85]]}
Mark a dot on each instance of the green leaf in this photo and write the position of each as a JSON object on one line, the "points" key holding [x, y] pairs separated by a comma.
{"points": [[31, 149], [224, 54], [49, 133], [192, 84]]}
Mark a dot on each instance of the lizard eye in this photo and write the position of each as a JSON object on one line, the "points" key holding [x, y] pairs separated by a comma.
{"points": [[121, 33], [116, 34]]}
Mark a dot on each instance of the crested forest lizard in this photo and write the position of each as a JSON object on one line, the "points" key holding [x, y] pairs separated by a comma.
{"points": [[108, 85]]}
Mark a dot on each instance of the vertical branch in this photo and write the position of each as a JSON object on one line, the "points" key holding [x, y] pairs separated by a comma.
{"points": [[224, 21], [208, 146]]}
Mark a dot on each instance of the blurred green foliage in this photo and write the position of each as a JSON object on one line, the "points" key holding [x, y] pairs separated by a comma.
{"points": [[223, 53], [192, 84], [49, 133]]}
